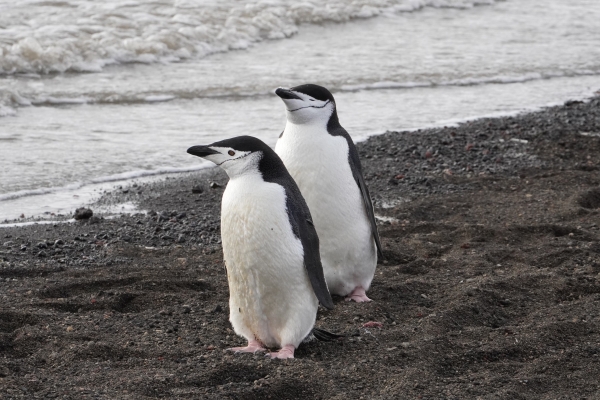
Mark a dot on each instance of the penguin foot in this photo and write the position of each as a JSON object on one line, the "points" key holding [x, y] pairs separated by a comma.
{"points": [[358, 295], [253, 347], [286, 351]]}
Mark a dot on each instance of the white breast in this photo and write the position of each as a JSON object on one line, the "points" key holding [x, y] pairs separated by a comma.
{"points": [[270, 294], [319, 164]]}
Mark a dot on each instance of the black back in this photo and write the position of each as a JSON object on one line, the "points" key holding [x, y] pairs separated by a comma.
{"points": [[273, 170], [335, 129]]}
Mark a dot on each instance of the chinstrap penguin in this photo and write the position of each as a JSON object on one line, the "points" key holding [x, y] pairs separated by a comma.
{"points": [[323, 160], [270, 248]]}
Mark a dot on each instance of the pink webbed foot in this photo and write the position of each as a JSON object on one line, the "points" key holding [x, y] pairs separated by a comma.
{"points": [[286, 351], [253, 347], [358, 295]]}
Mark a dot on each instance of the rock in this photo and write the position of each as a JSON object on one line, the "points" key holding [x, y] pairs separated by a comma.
{"points": [[197, 190], [214, 185], [83, 213], [163, 216]]}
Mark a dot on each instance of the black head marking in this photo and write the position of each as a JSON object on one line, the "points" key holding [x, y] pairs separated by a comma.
{"points": [[242, 143], [315, 91]]}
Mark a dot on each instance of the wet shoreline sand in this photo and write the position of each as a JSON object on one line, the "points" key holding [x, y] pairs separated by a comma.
{"points": [[490, 287]]}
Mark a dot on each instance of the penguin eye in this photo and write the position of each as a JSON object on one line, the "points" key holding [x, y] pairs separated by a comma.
{"points": [[231, 153]]}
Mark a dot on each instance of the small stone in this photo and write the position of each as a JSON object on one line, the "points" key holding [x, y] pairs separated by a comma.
{"points": [[197, 190], [83, 213], [214, 185]]}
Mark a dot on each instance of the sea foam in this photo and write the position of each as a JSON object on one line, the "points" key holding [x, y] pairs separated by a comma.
{"points": [[85, 36]]}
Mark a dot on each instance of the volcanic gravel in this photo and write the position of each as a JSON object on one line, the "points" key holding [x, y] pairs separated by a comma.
{"points": [[490, 286]]}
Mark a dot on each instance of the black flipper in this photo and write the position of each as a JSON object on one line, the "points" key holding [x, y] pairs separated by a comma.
{"points": [[335, 129], [324, 336], [312, 256]]}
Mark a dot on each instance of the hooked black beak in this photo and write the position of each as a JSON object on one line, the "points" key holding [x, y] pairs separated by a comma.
{"points": [[286, 94], [201, 151]]}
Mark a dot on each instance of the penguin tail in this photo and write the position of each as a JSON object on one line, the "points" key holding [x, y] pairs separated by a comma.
{"points": [[325, 336]]}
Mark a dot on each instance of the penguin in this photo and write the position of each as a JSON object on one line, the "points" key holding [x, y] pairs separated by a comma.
{"points": [[323, 160], [270, 248]]}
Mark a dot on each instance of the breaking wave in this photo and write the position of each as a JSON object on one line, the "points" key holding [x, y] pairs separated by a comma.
{"points": [[84, 36]]}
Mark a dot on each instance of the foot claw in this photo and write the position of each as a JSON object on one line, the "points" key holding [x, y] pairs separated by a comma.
{"points": [[253, 347], [285, 352], [358, 295]]}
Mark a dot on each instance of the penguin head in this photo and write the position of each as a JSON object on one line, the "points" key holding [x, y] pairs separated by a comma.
{"points": [[307, 104], [237, 156]]}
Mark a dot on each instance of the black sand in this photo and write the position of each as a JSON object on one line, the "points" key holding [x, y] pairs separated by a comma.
{"points": [[490, 288]]}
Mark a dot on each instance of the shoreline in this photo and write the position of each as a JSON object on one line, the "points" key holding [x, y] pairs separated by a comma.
{"points": [[489, 288], [64, 200]]}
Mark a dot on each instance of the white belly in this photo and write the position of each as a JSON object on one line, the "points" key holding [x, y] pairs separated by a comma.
{"points": [[271, 298], [318, 162]]}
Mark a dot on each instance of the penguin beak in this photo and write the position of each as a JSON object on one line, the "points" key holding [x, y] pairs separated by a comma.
{"points": [[201, 151], [286, 94]]}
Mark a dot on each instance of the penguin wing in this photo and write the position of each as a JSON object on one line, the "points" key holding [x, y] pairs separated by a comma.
{"points": [[360, 181], [305, 230], [358, 177]]}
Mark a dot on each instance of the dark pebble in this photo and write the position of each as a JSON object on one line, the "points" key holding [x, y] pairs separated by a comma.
{"points": [[83, 213]]}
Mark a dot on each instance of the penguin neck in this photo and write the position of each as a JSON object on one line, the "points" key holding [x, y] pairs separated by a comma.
{"points": [[296, 122], [247, 168]]}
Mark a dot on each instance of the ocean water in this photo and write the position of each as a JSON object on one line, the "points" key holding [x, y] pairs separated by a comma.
{"points": [[93, 93]]}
